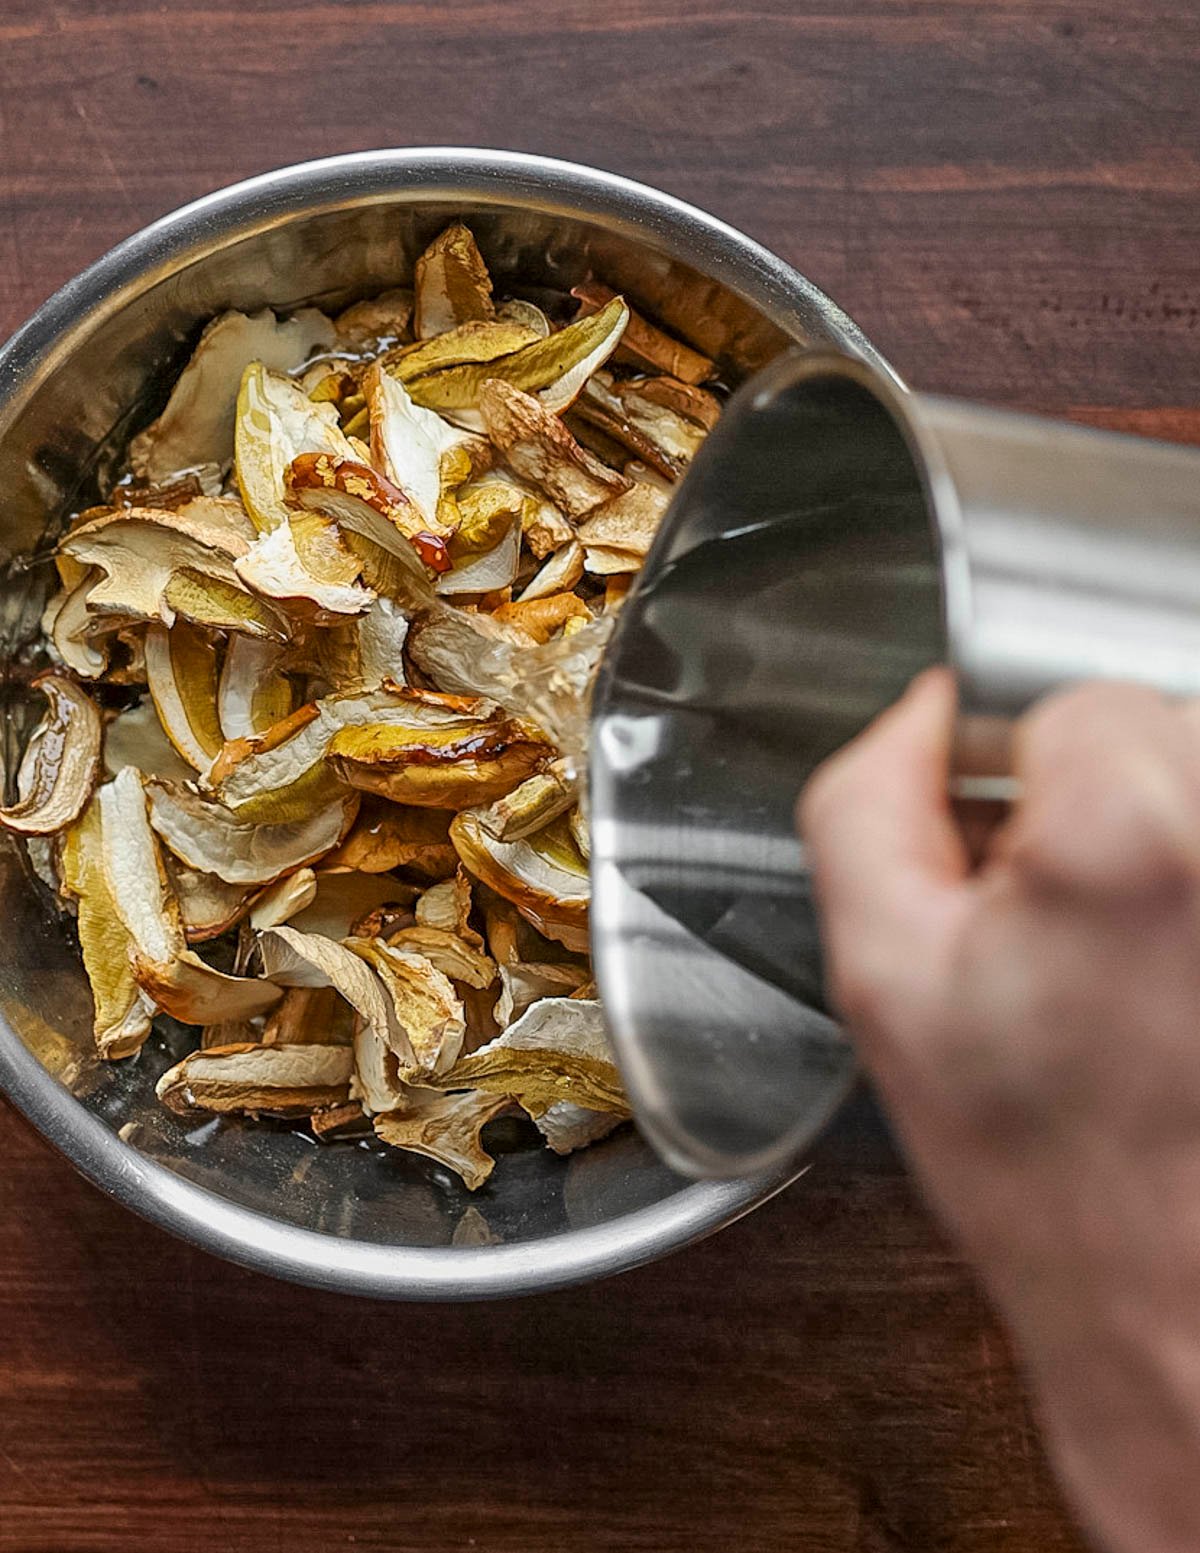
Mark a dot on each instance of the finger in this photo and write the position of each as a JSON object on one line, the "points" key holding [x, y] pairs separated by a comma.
{"points": [[1110, 781], [881, 837]]}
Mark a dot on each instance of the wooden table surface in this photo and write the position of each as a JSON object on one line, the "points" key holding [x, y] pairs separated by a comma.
{"points": [[1006, 194]]}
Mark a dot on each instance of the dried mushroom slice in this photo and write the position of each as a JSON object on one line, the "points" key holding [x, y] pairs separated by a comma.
{"points": [[208, 906], [309, 1016], [376, 322], [212, 838], [281, 901], [542, 875], [448, 905], [295, 959], [467, 345], [554, 369], [365, 503], [450, 767], [273, 566], [425, 1006], [558, 1050], [532, 806], [540, 619], [181, 673], [525, 982], [61, 764], [567, 1127], [276, 422], [343, 900], [644, 344], [564, 570], [624, 527], [253, 695], [197, 425], [445, 1128], [388, 835], [451, 284], [176, 979], [420, 453], [250, 1080], [539, 448], [139, 552], [123, 1012], [447, 952], [367, 652], [135, 737]]}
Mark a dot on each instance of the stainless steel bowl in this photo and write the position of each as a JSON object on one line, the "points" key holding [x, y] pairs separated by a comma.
{"points": [[86, 370]]}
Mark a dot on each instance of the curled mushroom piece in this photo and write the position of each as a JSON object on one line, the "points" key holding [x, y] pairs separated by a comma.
{"points": [[445, 1128], [61, 764], [542, 875], [251, 1080], [557, 1050], [341, 614]]}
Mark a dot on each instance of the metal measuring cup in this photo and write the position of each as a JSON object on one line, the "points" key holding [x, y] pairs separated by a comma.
{"points": [[836, 535]]}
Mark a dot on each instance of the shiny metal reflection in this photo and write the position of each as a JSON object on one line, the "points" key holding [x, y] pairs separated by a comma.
{"points": [[836, 535]]}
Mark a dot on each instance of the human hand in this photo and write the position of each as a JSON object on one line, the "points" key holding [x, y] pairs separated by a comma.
{"points": [[1032, 1024]]}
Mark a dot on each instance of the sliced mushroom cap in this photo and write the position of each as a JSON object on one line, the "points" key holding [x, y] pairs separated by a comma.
{"points": [[273, 566], [181, 672], [563, 570], [525, 982], [135, 737], [645, 344], [208, 906], [542, 875], [377, 321], [441, 768], [558, 1050], [276, 422], [451, 284], [448, 905], [446, 951], [567, 1127], [538, 447], [425, 1006], [540, 619], [532, 806], [467, 344], [295, 959], [388, 835], [197, 425], [176, 979], [253, 694], [343, 899], [420, 453], [284, 899], [445, 1128], [555, 369], [258, 1080], [210, 837], [123, 1013], [364, 653], [365, 503], [61, 764]]}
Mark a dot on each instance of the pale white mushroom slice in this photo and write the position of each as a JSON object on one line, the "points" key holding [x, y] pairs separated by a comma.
{"points": [[524, 982], [451, 284], [247, 1080], [557, 1050], [542, 875], [343, 899], [488, 571], [562, 571], [253, 695], [122, 1012], [295, 959], [135, 737], [539, 448], [175, 978], [61, 764], [567, 1127], [181, 673], [445, 1128], [531, 806], [276, 422], [210, 837], [364, 653], [197, 425], [284, 899], [208, 906], [425, 1006], [272, 566], [627, 524], [554, 369], [419, 452], [145, 555], [448, 905], [447, 952]]}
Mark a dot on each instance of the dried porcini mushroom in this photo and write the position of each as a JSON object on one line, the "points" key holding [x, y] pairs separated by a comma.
{"points": [[61, 764], [342, 613]]}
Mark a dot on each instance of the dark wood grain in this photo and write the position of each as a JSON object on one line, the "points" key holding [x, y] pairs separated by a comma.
{"points": [[1005, 194]]}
